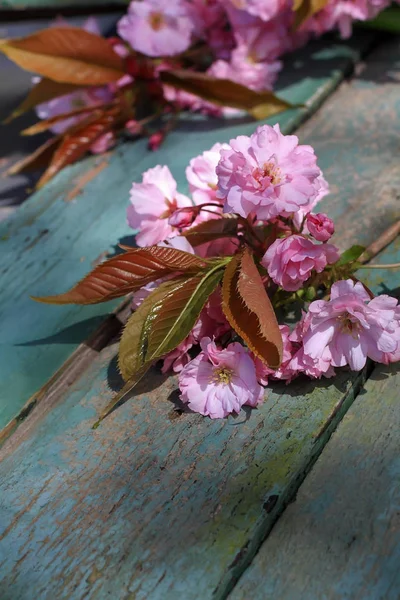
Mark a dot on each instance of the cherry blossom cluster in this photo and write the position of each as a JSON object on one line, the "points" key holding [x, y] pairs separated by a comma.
{"points": [[239, 40], [271, 185]]}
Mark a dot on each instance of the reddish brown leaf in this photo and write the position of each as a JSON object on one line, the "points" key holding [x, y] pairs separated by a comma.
{"points": [[78, 141], [126, 273], [225, 92], [211, 230], [38, 159], [43, 91], [249, 310], [66, 55]]}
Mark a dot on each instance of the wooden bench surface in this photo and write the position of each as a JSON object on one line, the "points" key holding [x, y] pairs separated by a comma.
{"points": [[160, 503]]}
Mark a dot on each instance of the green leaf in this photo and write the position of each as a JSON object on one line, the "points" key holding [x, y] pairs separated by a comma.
{"points": [[350, 255], [159, 325], [225, 92], [387, 20]]}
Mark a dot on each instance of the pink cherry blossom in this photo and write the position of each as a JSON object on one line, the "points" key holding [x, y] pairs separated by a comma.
{"points": [[303, 363], [299, 216], [243, 69], [152, 202], [183, 217], [264, 9], [103, 143], [201, 174], [219, 382], [353, 327], [157, 28], [340, 14], [320, 226], [268, 173], [290, 261]]}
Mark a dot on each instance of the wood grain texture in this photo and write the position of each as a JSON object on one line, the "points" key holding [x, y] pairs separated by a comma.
{"points": [[341, 538], [156, 503], [59, 233]]}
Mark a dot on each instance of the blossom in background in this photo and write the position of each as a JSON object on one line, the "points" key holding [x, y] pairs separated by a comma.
{"points": [[320, 226], [352, 327], [263, 9], [219, 382], [243, 69], [290, 261], [340, 14], [267, 173], [152, 202], [157, 28]]}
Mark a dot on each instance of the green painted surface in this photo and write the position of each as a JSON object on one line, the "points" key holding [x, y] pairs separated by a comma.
{"points": [[159, 503], [57, 234], [341, 538]]}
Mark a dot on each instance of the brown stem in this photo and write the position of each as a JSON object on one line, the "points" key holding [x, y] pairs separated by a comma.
{"points": [[381, 242]]}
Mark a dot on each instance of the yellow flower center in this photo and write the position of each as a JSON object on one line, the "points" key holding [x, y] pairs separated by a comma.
{"points": [[156, 20], [172, 206], [348, 325], [222, 375], [268, 174]]}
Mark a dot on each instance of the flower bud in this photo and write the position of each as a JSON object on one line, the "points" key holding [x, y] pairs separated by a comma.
{"points": [[183, 217], [155, 140], [320, 226]]}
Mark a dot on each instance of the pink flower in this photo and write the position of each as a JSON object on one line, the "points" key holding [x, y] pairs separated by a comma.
{"points": [[298, 217], [219, 382], [285, 372], [152, 202], [155, 140], [303, 363], [157, 28], [268, 173], [201, 174], [351, 327], [320, 226], [290, 261], [103, 143], [264, 9], [243, 69], [340, 14], [183, 217]]}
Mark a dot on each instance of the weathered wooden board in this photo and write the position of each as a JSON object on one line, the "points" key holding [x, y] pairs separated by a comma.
{"points": [[57, 235], [157, 503], [341, 538]]}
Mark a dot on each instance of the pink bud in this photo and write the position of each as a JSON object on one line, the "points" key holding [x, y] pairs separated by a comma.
{"points": [[103, 143], [134, 127], [183, 217], [155, 140], [320, 226]]}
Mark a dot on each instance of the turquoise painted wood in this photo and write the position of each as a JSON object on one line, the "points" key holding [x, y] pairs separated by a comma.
{"points": [[160, 503], [60, 231], [341, 538]]}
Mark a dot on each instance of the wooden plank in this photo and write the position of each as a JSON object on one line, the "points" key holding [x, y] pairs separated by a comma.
{"points": [[341, 538], [62, 230], [156, 503]]}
